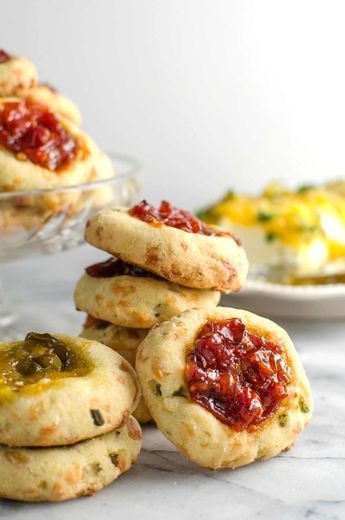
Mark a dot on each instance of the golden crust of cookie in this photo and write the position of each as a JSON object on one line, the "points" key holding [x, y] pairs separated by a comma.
{"points": [[50, 97], [32, 212], [103, 170], [122, 339], [141, 413], [16, 74], [67, 409], [125, 341], [132, 301], [160, 365], [19, 173], [192, 260], [63, 473], [16, 219]]}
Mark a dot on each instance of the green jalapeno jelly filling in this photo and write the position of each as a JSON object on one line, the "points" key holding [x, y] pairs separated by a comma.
{"points": [[39, 356]]}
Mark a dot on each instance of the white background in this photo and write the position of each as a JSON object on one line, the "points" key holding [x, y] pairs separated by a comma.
{"points": [[207, 94]]}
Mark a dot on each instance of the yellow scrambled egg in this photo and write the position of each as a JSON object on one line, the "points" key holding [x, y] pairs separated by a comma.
{"points": [[293, 218]]}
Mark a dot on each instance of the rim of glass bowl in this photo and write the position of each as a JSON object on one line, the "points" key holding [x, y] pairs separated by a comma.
{"points": [[131, 166]]}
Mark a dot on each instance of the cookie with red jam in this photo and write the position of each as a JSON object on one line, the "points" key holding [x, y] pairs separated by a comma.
{"points": [[225, 386], [129, 296], [171, 243], [39, 149], [47, 95], [18, 77], [16, 73]]}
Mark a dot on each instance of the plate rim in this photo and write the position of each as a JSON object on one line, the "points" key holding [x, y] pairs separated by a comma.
{"points": [[255, 285]]}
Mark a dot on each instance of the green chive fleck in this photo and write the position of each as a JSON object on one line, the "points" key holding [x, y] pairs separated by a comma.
{"points": [[114, 458], [303, 406], [97, 467], [265, 216], [229, 194], [180, 392], [283, 419], [157, 389], [97, 417], [309, 229], [304, 188], [271, 237], [201, 213]]}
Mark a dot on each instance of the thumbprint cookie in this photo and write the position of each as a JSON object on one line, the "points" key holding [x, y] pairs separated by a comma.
{"points": [[224, 385], [57, 390], [171, 243]]}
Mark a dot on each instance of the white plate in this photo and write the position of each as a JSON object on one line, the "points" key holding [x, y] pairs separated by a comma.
{"points": [[288, 301]]}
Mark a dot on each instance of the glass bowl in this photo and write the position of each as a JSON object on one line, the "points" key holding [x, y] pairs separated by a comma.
{"points": [[51, 220]]}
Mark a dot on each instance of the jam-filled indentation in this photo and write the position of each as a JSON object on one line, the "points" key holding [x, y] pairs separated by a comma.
{"points": [[239, 376], [30, 129], [116, 267], [168, 215], [39, 356]]}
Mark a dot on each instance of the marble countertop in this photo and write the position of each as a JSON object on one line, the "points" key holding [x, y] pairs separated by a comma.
{"points": [[306, 482]]}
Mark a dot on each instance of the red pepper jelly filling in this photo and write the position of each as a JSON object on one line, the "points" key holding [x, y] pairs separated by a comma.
{"points": [[173, 217], [31, 129], [238, 376], [91, 321], [4, 56], [116, 267]]}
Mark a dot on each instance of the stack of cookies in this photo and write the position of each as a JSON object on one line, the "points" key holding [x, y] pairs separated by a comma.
{"points": [[43, 147], [66, 428], [224, 385], [165, 262]]}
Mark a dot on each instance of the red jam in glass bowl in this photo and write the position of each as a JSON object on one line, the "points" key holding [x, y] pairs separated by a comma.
{"points": [[116, 267], [4, 56], [173, 217], [240, 377], [32, 130]]}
